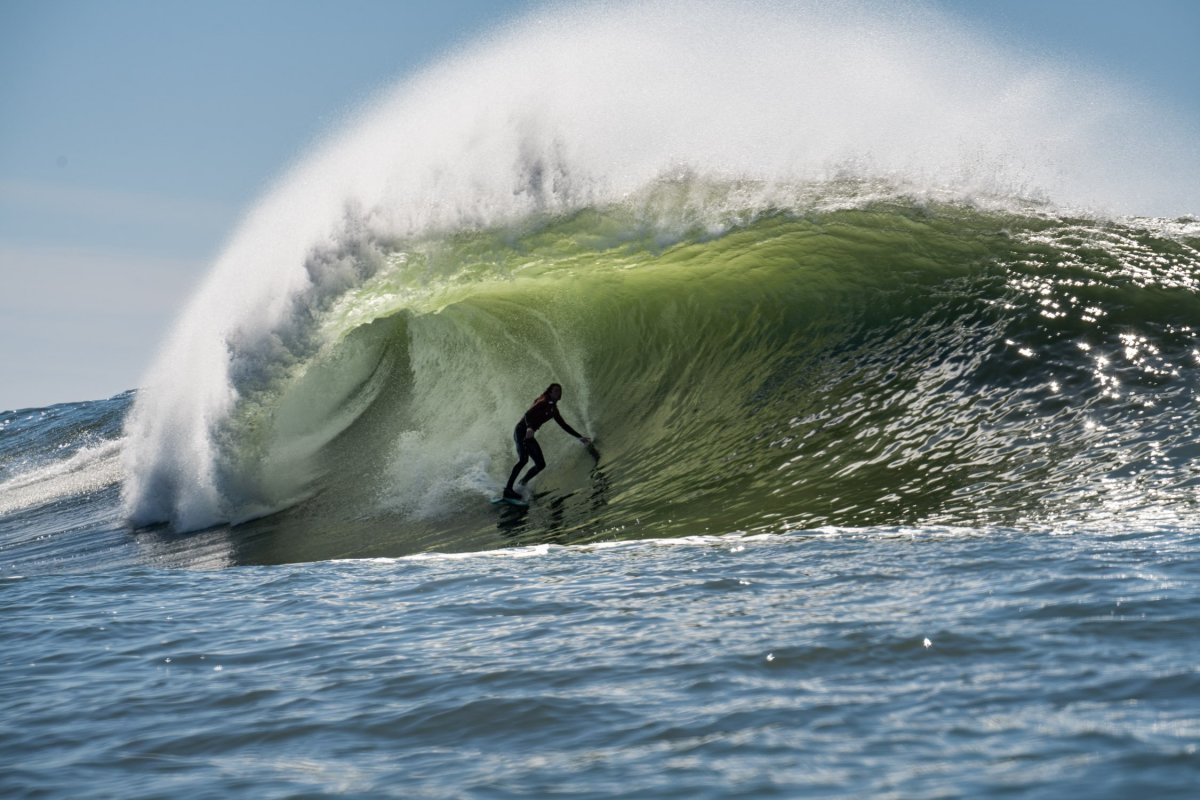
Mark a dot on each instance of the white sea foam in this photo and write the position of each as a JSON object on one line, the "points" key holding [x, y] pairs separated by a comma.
{"points": [[90, 470], [575, 106]]}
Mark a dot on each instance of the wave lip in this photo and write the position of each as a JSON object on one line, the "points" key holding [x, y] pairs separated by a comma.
{"points": [[861, 365], [499, 138]]}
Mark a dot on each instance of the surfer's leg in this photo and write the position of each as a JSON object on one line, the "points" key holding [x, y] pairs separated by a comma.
{"points": [[539, 461], [522, 457], [512, 477]]}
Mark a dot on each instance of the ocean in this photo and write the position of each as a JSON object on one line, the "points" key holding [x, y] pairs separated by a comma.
{"points": [[894, 490]]}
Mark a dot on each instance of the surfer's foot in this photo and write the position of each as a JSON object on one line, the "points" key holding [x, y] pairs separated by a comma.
{"points": [[509, 494]]}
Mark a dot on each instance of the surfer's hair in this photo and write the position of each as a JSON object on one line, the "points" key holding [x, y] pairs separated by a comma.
{"points": [[551, 388]]}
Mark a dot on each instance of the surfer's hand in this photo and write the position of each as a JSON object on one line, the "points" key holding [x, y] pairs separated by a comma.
{"points": [[529, 433], [585, 439]]}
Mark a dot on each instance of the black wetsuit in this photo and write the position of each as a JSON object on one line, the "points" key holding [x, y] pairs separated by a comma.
{"points": [[544, 409]]}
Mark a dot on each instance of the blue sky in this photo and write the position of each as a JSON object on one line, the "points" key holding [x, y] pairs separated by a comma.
{"points": [[135, 133]]}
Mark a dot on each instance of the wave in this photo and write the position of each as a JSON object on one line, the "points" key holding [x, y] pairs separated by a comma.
{"points": [[64, 451], [805, 274], [894, 363]]}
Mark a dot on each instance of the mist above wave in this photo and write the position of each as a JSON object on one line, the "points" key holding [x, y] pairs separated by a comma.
{"points": [[573, 107]]}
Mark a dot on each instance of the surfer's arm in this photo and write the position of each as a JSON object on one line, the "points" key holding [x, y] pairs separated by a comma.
{"points": [[562, 423]]}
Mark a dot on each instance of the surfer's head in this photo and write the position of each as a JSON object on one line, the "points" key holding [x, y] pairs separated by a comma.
{"points": [[553, 392]]}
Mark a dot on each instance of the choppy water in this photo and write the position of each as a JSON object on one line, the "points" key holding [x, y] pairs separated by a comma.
{"points": [[880, 663], [896, 483]]}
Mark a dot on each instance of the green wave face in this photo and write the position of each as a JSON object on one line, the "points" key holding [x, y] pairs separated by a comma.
{"points": [[894, 364], [838, 309]]}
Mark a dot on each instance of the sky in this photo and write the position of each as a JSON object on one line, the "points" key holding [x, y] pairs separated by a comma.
{"points": [[134, 134]]}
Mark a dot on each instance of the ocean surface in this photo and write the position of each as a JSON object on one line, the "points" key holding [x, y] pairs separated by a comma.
{"points": [[895, 485], [931, 536], [885, 662]]}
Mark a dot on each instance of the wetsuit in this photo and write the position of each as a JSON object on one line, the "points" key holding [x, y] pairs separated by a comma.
{"points": [[544, 409]]}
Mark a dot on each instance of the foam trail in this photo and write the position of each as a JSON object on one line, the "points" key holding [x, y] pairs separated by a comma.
{"points": [[586, 107], [90, 470]]}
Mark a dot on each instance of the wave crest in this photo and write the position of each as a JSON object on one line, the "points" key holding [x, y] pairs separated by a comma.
{"points": [[549, 120]]}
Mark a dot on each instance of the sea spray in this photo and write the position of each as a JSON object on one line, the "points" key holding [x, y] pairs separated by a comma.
{"points": [[772, 108]]}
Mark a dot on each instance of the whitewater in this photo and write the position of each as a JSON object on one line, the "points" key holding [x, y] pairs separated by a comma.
{"points": [[889, 338]]}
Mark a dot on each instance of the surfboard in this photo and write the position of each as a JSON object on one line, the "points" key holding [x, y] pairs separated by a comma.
{"points": [[496, 501]]}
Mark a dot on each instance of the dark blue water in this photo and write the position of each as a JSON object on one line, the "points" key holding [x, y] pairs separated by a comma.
{"points": [[899, 475], [946, 546], [871, 663]]}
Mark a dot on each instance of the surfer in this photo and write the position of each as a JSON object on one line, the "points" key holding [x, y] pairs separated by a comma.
{"points": [[544, 409]]}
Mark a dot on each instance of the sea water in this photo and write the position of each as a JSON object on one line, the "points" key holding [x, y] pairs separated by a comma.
{"points": [[893, 384], [840, 663]]}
